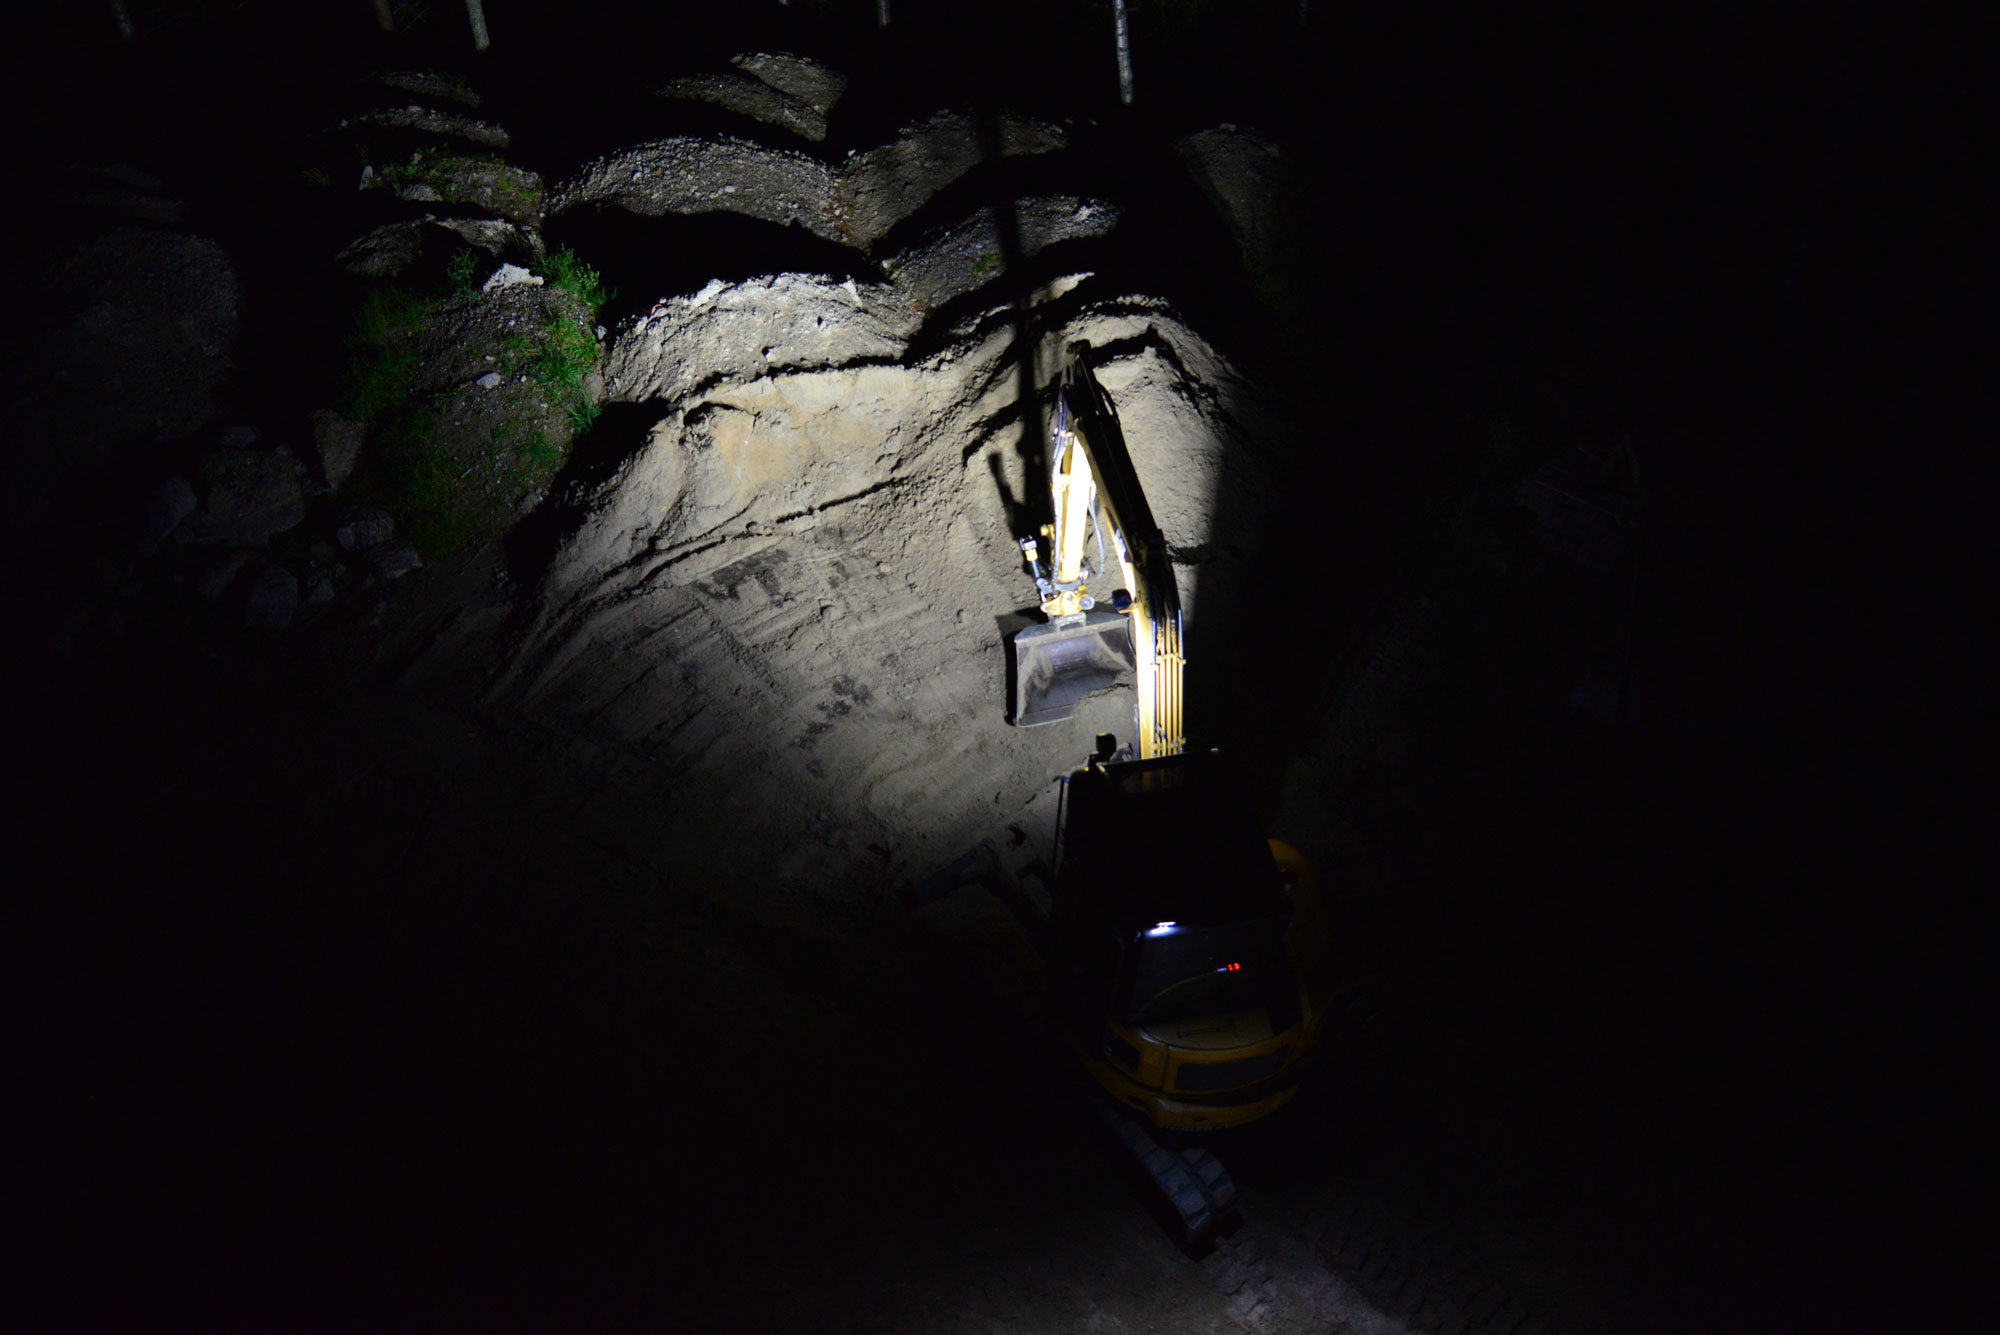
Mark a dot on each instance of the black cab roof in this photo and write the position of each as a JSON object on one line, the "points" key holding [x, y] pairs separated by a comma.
{"points": [[1169, 840]]}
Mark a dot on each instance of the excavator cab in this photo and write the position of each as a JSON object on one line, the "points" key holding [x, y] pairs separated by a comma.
{"points": [[1169, 943]]}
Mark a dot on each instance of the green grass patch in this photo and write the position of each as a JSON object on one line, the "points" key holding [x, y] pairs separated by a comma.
{"points": [[452, 464], [568, 352], [381, 364], [418, 484], [461, 274], [562, 270]]}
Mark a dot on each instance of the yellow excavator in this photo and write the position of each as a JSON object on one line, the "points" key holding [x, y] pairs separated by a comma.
{"points": [[1181, 941]]}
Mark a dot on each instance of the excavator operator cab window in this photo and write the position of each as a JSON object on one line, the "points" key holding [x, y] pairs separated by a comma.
{"points": [[1198, 971]]}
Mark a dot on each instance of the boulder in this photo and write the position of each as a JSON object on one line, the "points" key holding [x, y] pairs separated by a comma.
{"points": [[121, 191], [393, 249], [424, 120], [171, 502], [753, 98], [385, 252], [508, 275], [394, 559], [360, 528], [494, 188], [855, 204], [246, 496], [955, 260], [807, 80], [271, 600], [133, 334], [429, 83], [338, 440], [214, 579]]}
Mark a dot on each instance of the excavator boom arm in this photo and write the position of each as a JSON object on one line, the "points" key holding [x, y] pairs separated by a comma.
{"points": [[1095, 491]]}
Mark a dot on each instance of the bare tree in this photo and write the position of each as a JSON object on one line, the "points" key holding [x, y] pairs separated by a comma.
{"points": [[476, 11], [881, 13], [1124, 53], [384, 18]]}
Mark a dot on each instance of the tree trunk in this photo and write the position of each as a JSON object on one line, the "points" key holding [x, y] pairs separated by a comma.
{"points": [[881, 13], [1124, 54], [476, 11], [384, 19]]}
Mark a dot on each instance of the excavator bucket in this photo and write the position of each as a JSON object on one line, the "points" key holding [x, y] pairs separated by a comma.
{"points": [[1057, 664]]}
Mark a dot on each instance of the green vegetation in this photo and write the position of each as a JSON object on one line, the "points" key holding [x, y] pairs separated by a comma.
{"points": [[562, 270], [381, 364], [452, 463], [459, 272], [456, 175]]}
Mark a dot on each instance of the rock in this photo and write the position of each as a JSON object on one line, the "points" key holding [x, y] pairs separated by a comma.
{"points": [[491, 380], [807, 80], [494, 236], [214, 579], [492, 187], [393, 249], [171, 502], [885, 185], [272, 599], [246, 496], [747, 330], [338, 440], [855, 204], [1257, 193], [359, 528], [319, 588], [120, 191], [423, 120], [687, 175], [385, 252], [753, 98], [132, 336], [955, 260], [425, 83], [393, 560], [507, 275]]}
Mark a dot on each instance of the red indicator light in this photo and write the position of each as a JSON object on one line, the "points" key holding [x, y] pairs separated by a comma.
{"points": [[1234, 967]]}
